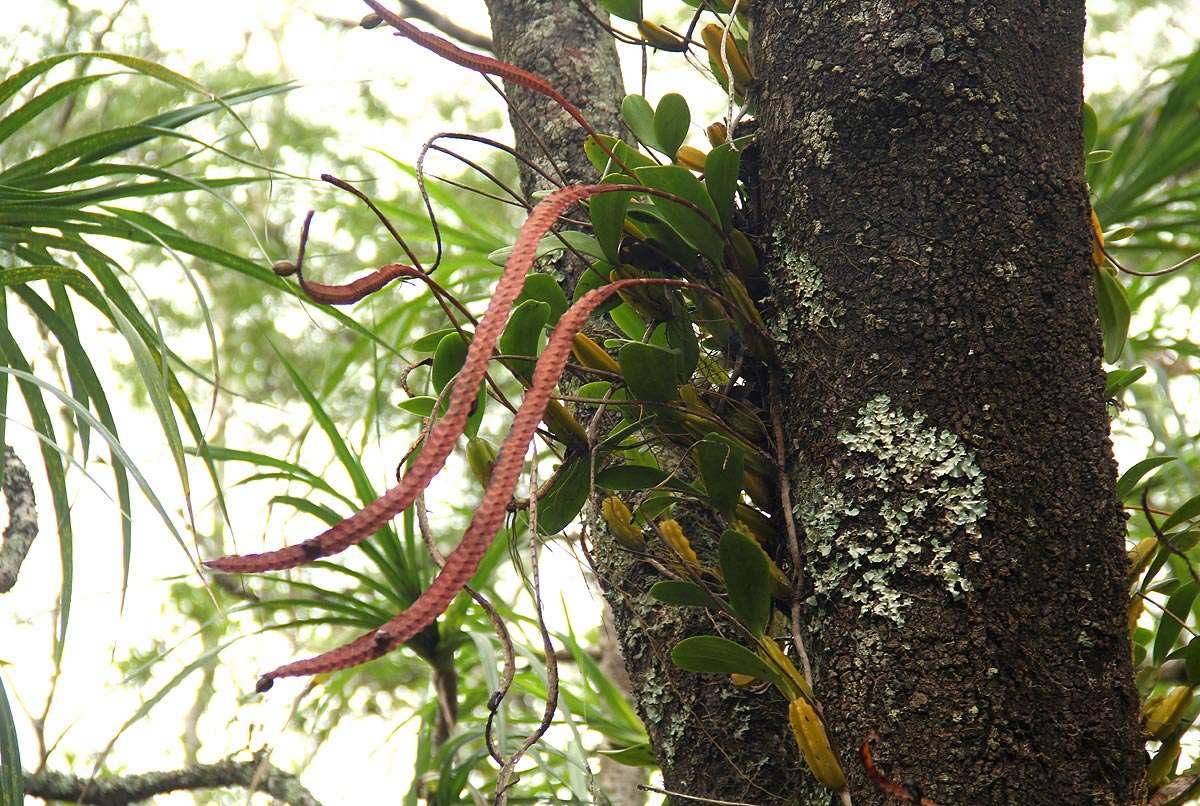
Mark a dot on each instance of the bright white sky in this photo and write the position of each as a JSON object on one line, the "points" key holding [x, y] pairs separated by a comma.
{"points": [[329, 63]]}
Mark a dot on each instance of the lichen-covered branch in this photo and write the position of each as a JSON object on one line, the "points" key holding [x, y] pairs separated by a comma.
{"points": [[257, 774], [22, 519]]}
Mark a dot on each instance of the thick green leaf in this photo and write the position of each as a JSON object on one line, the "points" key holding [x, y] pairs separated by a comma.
{"points": [[553, 243], [655, 225], [1192, 661], [596, 389], [630, 322], [631, 157], [1179, 605], [607, 213], [720, 179], [1114, 314], [744, 566], [421, 405], [642, 366], [544, 288], [593, 277], [630, 477], [682, 592], [638, 755], [1185, 512], [681, 337], [448, 359], [1118, 380], [721, 468], [639, 117], [1090, 125], [671, 121], [1130, 478], [566, 496], [12, 778], [522, 333], [430, 341], [711, 654], [625, 9], [701, 232]]}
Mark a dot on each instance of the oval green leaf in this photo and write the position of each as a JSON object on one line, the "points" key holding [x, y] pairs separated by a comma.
{"points": [[566, 496], [720, 179], [671, 121], [1114, 314], [744, 566], [711, 654], [684, 593], [721, 468], [639, 117], [642, 366], [1178, 606], [690, 225], [630, 477]]}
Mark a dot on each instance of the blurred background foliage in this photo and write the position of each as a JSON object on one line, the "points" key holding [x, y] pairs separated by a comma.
{"points": [[228, 204]]}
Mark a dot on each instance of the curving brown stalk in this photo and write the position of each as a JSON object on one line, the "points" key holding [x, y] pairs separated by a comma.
{"points": [[445, 433], [490, 66], [344, 293], [489, 516]]}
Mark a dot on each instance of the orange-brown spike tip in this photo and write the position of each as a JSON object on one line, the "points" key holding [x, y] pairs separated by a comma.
{"points": [[264, 684], [280, 560]]}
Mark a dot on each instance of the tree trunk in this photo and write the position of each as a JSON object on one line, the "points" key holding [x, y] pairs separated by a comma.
{"points": [[923, 203], [559, 41]]}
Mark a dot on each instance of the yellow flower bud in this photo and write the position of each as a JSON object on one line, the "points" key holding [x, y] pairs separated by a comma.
{"points": [[660, 37], [592, 355], [673, 534], [814, 745], [692, 158], [619, 520], [718, 133]]}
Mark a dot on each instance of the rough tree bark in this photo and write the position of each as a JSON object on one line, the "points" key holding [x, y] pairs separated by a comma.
{"points": [[921, 200], [560, 41], [924, 205]]}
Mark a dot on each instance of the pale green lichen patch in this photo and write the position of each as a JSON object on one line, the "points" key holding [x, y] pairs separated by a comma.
{"points": [[818, 135], [807, 302], [912, 493]]}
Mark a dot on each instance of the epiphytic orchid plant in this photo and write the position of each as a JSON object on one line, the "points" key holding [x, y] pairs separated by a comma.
{"points": [[668, 264]]}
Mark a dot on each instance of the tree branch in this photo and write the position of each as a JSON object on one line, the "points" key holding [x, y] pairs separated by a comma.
{"points": [[420, 11], [444, 24], [22, 519], [258, 775]]}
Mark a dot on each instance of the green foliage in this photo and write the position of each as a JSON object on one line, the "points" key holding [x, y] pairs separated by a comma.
{"points": [[12, 779], [711, 654], [682, 419]]}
